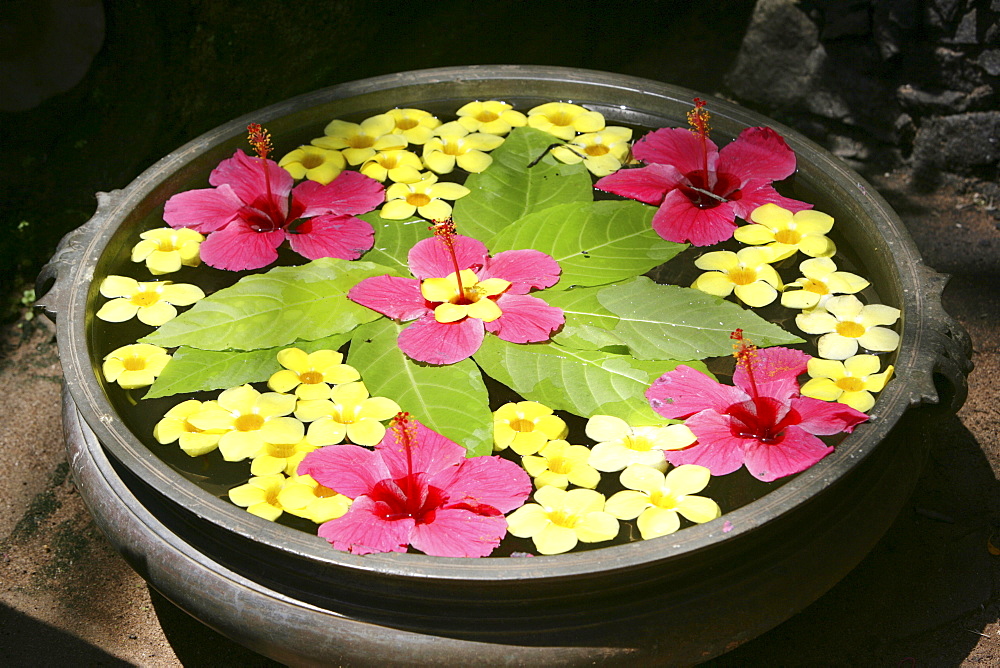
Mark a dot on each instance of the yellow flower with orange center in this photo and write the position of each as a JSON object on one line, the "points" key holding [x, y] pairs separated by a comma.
{"points": [[135, 365], [657, 499], [559, 519], [525, 426], [454, 145], [849, 382], [747, 272], [165, 250], [314, 163], [492, 117], [820, 280], [311, 374], [175, 427], [470, 298], [425, 198], [564, 120], [360, 141], [601, 152], [415, 125], [787, 233], [250, 420], [153, 303]]}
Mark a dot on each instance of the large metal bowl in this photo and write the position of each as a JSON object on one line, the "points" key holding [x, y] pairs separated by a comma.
{"points": [[679, 599]]}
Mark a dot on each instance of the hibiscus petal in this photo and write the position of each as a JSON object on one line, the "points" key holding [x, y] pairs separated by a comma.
{"points": [[344, 237], [350, 193], [457, 532], [350, 469], [246, 176], [525, 319], [204, 210], [824, 418], [236, 247], [717, 449], [685, 391], [398, 298], [757, 153], [758, 192], [772, 364], [646, 184], [428, 452], [678, 147], [491, 480], [430, 258], [525, 269], [679, 220], [797, 451], [363, 531], [427, 340]]}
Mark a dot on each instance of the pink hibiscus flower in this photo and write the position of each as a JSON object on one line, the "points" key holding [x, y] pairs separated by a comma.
{"points": [[699, 189], [460, 292], [418, 488], [761, 421], [248, 214]]}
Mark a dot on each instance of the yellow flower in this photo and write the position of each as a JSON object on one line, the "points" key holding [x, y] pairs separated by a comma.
{"points": [[281, 457], [250, 421], [525, 427], [657, 499], [165, 250], [453, 144], [415, 125], [135, 365], [492, 117], [565, 120], [560, 464], [820, 279], [846, 324], [311, 374], [473, 301], [360, 141], [260, 496], [314, 163], [349, 413], [786, 232], [619, 445], [397, 165], [304, 497], [747, 272], [424, 197], [175, 427], [849, 382], [559, 519], [601, 152], [152, 302]]}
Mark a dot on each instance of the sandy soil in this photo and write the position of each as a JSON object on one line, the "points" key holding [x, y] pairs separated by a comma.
{"points": [[928, 594]]}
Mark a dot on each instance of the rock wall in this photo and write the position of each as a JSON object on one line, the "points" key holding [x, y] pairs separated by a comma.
{"points": [[881, 82]]}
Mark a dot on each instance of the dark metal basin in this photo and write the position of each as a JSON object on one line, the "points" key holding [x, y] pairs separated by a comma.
{"points": [[675, 600]]}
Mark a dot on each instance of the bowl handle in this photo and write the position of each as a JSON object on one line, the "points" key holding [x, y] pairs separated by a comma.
{"points": [[949, 350], [52, 287]]}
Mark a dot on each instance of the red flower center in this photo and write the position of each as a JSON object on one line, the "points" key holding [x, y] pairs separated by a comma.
{"points": [[409, 496], [706, 196], [757, 418]]}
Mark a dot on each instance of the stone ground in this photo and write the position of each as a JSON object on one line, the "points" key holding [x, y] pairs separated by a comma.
{"points": [[927, 595]]}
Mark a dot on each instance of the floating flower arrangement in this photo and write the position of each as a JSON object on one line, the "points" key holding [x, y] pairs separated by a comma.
{"points": [[447, 336]]}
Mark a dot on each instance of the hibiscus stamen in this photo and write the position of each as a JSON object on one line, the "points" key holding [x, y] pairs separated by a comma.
{"points": [[698, 120], [445, 231], [260, 139], [406, 435], [745, 352]]}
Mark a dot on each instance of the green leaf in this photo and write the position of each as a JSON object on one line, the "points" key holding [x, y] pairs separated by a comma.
{"points": [[193, 370], [508, 190], [589, 326], [452, 400], [656, 321], [278, 307], [582, 382], [595, 243], [669, 322], [394, 239]]}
